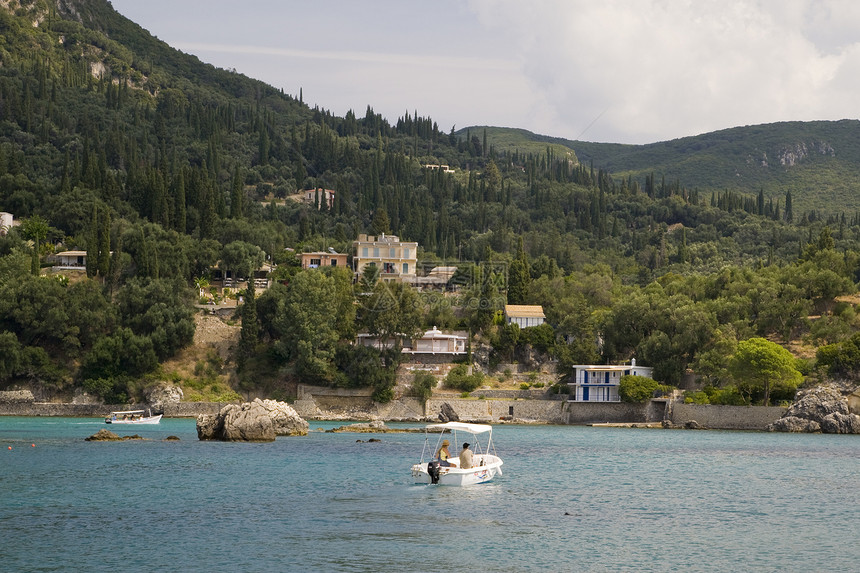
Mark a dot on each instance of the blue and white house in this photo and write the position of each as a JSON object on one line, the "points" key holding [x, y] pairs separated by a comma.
{"points": [[599, 383]]}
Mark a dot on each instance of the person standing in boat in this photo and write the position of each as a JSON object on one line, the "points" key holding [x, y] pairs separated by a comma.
{"points": [[466, 457], [443, 454]]}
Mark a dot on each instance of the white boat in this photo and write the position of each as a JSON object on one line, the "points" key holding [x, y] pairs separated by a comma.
{"points": [[133, 417], [485, 463]]}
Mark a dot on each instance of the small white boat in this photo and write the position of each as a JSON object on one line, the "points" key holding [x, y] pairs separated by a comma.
{"points": [[485, 463], [133, 417]]}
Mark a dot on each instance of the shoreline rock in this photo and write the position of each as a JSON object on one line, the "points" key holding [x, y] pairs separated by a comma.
{"points": [[257, 421], [108, 436], [375, 427], [820, 409]]}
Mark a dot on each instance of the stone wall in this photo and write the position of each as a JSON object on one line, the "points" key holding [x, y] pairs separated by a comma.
{"points": [[192, 409], [181, 410], [16, 397], [726, 417], [613, 412], [491, 410]]}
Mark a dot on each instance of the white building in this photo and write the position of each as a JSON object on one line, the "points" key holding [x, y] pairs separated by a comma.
{"points": [[434, 341], [524, 315], [6, 222], [599, 383], [71, 260]]}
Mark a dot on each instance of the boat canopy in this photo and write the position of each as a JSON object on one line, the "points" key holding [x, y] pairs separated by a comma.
{"points": [[461, 427], [130, 412]]}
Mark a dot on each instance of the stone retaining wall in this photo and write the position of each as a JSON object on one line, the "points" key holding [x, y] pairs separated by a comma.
{"points": [[181, 410], [726, 417], [491, 410], [613, 412]]}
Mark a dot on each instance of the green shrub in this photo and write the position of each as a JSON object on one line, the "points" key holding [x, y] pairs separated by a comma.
{"points": [[637, 389], [457, 379], [422, 385], [728, 396], [383, 394], [228, 396], [541, 337], [698, 397], [525, 386]]}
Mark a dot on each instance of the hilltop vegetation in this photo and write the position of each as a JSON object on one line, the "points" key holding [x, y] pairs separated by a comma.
{"points": [[163, 168], [817, 161]]}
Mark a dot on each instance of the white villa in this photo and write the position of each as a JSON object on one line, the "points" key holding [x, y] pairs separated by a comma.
{"points": [[599, 383], [524, 315], [7, 221], [434, 341], [71, 260]]}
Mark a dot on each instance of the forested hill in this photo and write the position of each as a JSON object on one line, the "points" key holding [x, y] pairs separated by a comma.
{"points": [[164, 169], [817, 161]]}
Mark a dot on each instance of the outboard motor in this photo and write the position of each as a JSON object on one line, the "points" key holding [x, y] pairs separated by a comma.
{"points": [[434, 471]]}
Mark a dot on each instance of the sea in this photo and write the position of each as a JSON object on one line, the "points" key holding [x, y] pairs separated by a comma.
{"points": [[571, 498]]}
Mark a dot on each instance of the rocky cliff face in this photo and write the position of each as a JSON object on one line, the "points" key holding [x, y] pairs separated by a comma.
{"points": [[820, 409], [257, 421]]}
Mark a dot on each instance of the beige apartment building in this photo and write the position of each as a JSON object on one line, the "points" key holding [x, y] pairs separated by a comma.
{"points": [[396, 260]]}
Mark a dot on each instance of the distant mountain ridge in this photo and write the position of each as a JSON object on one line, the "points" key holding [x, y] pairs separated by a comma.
{"points": [[817, 161]]}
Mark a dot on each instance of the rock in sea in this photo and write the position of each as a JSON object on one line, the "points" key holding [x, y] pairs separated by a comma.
{"points": [[819, 409], [108, 436], [257, 421]]}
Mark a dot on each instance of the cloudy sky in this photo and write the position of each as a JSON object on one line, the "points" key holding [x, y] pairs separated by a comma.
{"points": [[622, 71]]}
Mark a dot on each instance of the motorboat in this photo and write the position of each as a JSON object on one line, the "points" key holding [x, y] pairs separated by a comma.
{"points": [[485, 463], [133, 417]]}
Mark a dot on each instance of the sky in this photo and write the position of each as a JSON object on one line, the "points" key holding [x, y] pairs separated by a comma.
{"points": [[613, 71]]}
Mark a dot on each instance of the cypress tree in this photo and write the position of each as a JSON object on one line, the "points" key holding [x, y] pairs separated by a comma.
{"points": [[104, 243], [237, 207], [93, 244], [250, 327]]}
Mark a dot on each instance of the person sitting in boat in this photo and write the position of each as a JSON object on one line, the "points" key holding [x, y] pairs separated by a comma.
{"points": [[466, 457], [443, 454]]}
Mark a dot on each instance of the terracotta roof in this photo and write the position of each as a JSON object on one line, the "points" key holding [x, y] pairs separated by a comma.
{"points": [[524, 310]]}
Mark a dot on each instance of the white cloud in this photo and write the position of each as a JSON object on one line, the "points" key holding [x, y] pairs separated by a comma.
{"points": [[394, 59], [663, 69]]}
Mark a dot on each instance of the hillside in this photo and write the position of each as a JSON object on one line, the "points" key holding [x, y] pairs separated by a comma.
{"points": [[171, 175], [818, 162]]}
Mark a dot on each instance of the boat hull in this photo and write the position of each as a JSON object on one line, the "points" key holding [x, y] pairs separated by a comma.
{"points": [[150, 420], [488, 467]]}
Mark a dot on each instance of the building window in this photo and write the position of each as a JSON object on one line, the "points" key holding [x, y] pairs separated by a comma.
{"points": [[405, 268], [315, 262], [364, 252], [334, 262], [405, 253], [392, 253], [375, 252]]}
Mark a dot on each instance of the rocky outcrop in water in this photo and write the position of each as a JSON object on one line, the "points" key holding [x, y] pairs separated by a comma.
{"points": [[108, 436], [285, 419], [819, 409], [257, 421], [375, 427]]}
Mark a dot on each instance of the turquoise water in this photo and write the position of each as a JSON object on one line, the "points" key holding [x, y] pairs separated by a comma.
{"points": [[571, 499]]}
